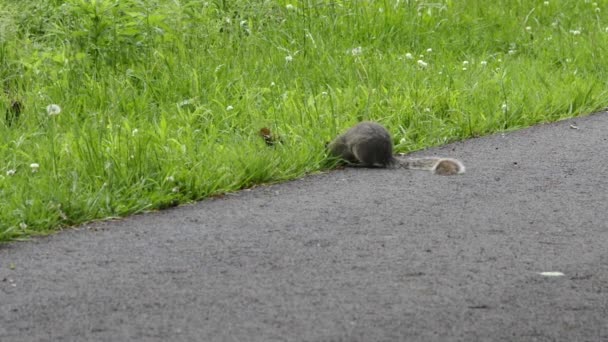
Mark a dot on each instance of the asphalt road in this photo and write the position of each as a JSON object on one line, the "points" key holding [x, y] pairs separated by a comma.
{"points": [[350, 255]]}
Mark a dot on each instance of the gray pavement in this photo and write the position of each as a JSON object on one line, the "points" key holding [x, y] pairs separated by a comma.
{"points": [[349, 255]]}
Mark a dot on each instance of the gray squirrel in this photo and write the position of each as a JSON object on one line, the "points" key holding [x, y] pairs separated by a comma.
{"points": [[369, 144]]}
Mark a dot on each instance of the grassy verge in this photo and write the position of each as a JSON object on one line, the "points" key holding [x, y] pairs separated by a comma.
{"points": [[162, 101]]}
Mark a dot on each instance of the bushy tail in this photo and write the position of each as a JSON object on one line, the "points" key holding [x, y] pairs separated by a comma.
{"points": [[437, 165]]}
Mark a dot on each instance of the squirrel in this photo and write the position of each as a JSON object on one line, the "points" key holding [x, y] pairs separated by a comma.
{"points": [[369, 144]]}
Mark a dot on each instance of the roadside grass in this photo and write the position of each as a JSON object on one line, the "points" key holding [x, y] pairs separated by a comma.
{"points": [[162, 101]]}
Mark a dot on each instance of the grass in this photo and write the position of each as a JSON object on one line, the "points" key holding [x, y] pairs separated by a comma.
{"points": [[162, 101]]}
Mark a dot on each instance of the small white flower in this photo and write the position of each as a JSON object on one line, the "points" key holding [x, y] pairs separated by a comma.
{"points": [[134, 132], [554, 24], [402, 141], [185, 102], [409, 55], [464, 69], [170, 179], [422, 63], [499, 60], [483, 63], [429, 50], [546, 3], [175, 189], [575, 32], [421, 56], [272, 84], [356, 51], [323, 93], [594, 4], [10, 172], [512, 52], [34, 167], [504, 107], [290, 7], [597, 9], [288, 58], [53, 109], [529, 28], [229, 108], [465, 63], [427, 110], [22, 225]]}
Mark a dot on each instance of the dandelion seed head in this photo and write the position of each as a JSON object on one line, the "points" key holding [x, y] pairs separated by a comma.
{"points": [[53, 109]]}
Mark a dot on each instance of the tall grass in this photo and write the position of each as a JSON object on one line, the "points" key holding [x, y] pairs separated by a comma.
{"points": [[162, 101]]}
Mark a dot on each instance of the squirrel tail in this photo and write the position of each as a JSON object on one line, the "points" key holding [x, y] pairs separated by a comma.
{"points": [[437, 165]]}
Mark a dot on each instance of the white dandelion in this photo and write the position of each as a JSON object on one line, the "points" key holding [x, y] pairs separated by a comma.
{"points": [[53, 109], [422, 63]]}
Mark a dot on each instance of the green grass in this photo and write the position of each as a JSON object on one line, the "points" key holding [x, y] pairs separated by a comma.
{"points": [[162, 101]]}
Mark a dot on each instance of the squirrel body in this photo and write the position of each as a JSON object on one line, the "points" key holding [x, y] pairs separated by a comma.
{"points": [[369, 144]]}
